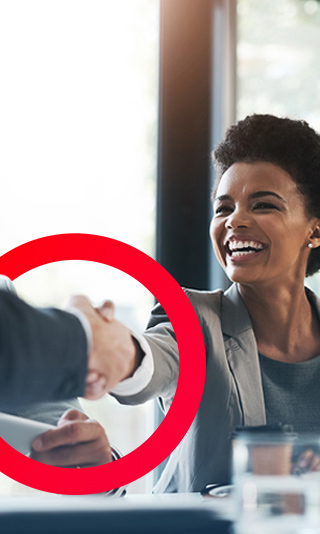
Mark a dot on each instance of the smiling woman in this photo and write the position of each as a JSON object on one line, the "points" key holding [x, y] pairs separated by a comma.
{"points": [[262, 336], [265, 229], [279, 149]]}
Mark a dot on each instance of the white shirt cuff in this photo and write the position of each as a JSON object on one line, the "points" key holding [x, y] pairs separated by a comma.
{"points": [[142, 376]]}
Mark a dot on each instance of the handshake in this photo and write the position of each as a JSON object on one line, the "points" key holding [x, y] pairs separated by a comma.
{"points": [[113, 355]]}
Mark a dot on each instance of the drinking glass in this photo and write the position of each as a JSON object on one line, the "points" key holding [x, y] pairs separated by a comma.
{"points": [[276, 476]]}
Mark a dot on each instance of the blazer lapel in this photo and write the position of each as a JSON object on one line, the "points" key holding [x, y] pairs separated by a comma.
{"points": [[242, 355], [314, 300]]}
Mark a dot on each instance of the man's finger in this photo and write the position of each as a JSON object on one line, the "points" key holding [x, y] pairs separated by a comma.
{"points": [[83, 454], [68, 434], [71, 415]]}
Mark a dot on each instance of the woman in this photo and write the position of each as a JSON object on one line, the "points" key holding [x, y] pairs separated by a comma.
{"points": [[262, 336]]}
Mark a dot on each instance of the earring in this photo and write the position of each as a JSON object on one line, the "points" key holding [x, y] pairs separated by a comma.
{"points": [[310, 245]]}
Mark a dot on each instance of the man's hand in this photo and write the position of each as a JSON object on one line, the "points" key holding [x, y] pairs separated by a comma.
{"points": [[76, 442], [113, 356]]}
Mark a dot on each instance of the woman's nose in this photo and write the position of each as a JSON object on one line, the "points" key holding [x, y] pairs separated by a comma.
{"points": [[238, 219]]}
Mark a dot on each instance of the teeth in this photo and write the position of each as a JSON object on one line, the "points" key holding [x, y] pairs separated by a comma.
{"points": [[235, 245], [238, 253]]}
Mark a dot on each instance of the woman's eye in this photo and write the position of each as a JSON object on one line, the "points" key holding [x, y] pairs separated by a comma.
{"points": [[265, 206], [222, 209]]}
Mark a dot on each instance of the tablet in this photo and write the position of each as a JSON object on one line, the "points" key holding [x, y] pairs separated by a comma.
{"points": [[20, 432]]}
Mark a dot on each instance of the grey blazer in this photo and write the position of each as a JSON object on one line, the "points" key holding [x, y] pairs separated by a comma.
{"points": [[233, 393]]}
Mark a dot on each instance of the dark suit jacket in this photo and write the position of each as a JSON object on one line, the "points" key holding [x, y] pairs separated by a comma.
{"points": [[43, 353]]}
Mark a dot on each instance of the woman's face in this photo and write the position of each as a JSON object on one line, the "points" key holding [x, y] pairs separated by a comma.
{"points": [[260, 228]]}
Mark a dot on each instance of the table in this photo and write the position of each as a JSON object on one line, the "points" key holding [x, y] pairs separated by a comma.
{"points": [[152, 514]]}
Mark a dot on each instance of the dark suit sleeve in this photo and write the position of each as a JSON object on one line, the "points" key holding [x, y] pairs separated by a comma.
{"points": [[43, 354], [48, 412]]}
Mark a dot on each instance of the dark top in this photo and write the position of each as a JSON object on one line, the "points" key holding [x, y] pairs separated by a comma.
{"points": [[292, 393]]}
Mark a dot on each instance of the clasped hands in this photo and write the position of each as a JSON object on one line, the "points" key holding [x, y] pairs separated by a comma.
{"points": [[113, 355]]}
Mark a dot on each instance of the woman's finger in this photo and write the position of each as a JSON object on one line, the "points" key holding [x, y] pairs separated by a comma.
{"points": [[96, 389], [314, 464]]}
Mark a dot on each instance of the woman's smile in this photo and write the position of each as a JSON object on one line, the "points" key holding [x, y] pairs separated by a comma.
{"points": [[241, 248]]}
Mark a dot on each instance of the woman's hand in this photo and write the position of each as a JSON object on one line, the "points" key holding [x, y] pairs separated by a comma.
{"points": [[96, 382], [76, 442], [307, 462]]}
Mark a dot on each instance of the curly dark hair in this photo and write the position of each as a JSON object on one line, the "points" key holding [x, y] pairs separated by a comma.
{"points": [[291, 144]]}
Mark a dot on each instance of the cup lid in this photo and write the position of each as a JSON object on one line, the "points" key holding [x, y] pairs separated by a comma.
{"points": [[273, 433]]}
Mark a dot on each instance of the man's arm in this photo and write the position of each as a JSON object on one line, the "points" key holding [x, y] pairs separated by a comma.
{"points": [[47, 412], [43, 353]]}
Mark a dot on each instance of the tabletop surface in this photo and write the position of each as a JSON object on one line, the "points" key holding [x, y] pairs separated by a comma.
{"points": [[159, 514]]}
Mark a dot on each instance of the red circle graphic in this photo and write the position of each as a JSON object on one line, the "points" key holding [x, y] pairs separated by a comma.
{"points": [[168, 435]]}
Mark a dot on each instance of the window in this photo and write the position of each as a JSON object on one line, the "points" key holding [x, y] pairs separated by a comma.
{"points": [[278, 60], [78, 123], [279, 63]]}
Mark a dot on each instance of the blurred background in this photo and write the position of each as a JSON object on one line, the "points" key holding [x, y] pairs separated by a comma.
{"points": [[109, 111], [78, 134]]}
